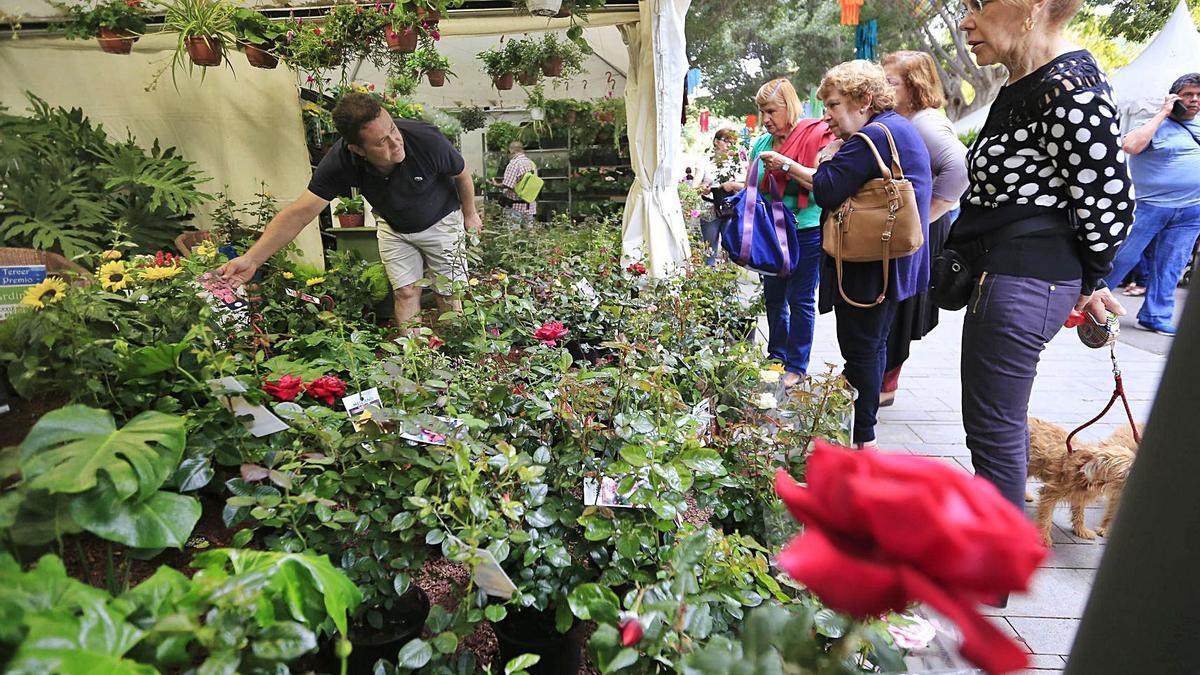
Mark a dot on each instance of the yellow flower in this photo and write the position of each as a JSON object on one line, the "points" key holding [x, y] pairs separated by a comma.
{"points": [[157, 273], [778, 367], [314, 281], [335, 270], [289, 275], [114, 276], [48, 292], [473, 282], [206, 249], [111, 254], [501, 277]]}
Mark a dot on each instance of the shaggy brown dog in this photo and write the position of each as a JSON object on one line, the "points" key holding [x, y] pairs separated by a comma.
{"points": [[1091, 471]]}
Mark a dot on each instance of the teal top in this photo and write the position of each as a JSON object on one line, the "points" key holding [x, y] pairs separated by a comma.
{"points": [[809, 216]]}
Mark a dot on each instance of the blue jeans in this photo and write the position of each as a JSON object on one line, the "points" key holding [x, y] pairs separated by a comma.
{"points": [[792, 305], [1174, 233], [711, 231], [862, 336]]}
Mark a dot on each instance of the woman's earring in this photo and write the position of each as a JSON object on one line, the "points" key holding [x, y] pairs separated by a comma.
{"points": [[1028, 23]]}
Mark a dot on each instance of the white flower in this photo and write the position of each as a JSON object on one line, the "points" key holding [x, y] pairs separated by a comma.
{"points": [[769, 376], [913, 632], [766, 401]]}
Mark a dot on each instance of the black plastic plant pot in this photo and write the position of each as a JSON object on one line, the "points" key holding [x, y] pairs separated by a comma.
{"points": [[528, 631], [401, 626]]}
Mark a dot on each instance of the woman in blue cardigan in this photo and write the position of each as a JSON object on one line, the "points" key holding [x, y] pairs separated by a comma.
{"points": [[857, 97]]}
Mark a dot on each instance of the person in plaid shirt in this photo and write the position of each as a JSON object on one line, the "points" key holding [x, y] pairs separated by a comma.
{"points": [[517, 212]]}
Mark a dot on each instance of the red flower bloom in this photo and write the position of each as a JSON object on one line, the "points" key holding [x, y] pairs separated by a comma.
{"points": [[637, 268], [435, 342], [285, 388], [631, 630], [550, 332], [164, 259], [884, 530], [316, 31], [325, 388], [494, 331]]}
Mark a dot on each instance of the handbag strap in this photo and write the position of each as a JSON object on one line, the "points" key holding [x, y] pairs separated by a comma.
{"points": [[896, 172], [774, 210], [842, 291]]}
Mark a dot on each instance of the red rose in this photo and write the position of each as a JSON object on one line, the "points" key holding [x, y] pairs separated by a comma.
{"points": [[435, 342], [316, 31], [884, 530], [637, 268], [631, 630], [326, 388], [285, 388], [550, 332]]}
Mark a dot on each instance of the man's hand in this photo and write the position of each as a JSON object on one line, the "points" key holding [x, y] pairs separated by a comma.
{"points": [[1098, 304], [1168, 103], [472, 222], [239, 270]]}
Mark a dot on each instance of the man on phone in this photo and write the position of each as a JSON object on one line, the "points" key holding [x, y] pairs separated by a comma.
{"points": [[418, 184], [1165, 166]]}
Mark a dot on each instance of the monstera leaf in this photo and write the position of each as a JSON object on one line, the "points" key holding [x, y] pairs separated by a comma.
{"points": [[164, 519], [68, 448]]}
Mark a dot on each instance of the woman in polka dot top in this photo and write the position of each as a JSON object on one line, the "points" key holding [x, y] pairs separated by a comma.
{"points": [[1050, 158]]}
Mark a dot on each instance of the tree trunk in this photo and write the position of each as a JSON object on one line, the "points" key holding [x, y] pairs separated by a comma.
{"points": [[955, 65]]}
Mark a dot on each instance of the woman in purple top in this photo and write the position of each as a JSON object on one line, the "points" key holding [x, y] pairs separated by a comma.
{"points": [[858, 98]]}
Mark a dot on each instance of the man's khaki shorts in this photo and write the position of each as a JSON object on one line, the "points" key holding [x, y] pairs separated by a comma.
{"points": [[437, 253]]}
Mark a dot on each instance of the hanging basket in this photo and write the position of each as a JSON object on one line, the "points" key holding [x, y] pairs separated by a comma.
{"points": [[552, 67], [429, 16], [528, 79], [503, 82], [116, 41], [543, 7], [261, 58], [205, 51], [403, 40], [437, 78]]}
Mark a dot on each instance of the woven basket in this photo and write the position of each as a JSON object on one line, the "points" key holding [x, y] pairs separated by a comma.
{"points": [[55, 263]]}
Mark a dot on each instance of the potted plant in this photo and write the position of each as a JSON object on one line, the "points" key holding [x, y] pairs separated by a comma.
{"points": [[310, 48], [116, 24], [259, 36], [498, 67], [403, 30], [560, 58], [472, 118], [205, 29], [358, 30], [349, 211], [525, 58], [431, 63], [543, 7]]}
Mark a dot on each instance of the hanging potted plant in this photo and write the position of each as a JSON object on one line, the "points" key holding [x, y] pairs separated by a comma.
{"points": [[205, 29], [260, 37], [359, 30], [402, 31], [116, 24], [543, 7], [432, 64], [497, 66], [525, 58], [310, 49], [349, 211], [560, 58], [430, 12]]}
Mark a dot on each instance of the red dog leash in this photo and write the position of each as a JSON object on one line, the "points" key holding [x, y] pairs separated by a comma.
{"points": [[1118, 392]]}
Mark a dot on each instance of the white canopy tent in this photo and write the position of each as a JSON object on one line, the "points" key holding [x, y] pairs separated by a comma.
{"points": [[1141, 86]]}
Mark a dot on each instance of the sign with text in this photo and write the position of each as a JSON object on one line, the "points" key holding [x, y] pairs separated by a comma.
{"points": [[14, 281]]}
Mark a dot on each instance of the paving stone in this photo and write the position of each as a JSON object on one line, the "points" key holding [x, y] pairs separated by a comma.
{"points": [[940, 450], [941, 433], [1047, 662], [1046, 636], [1055, 592], [1075, 556]]}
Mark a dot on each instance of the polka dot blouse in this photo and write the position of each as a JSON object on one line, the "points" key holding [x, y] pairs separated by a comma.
{"points": [[1052, 141]]}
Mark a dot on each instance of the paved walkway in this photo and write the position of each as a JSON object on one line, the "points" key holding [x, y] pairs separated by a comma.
{"points": [[1074, 383]]}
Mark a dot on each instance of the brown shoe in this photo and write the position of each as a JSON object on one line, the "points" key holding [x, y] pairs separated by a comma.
{"points": [[886, 398]]}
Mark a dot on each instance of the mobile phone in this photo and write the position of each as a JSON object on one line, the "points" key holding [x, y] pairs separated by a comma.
{"points": [[1179, 109]]}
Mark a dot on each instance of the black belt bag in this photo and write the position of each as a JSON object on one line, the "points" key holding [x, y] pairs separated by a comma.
{"points": [[953, 272]]}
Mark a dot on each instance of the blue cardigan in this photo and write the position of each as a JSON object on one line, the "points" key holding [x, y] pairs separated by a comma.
{"points": [[837, 179]]}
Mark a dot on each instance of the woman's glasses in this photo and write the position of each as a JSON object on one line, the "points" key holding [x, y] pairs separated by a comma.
{"points": [[971, 7]]}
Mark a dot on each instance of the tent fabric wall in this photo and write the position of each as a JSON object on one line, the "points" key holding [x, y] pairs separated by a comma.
{"points": [[1141, 86], [242, 128], [654, 230]]}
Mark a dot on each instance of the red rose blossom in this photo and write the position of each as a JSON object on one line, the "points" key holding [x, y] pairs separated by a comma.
{"points": [[631, 630], [550, 333], [637, 268], [884, 530], [435, 342], [285, 388], [325, 388]]}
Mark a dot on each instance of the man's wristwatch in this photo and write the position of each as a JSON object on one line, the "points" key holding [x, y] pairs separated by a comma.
{"points": [[787, 166]]}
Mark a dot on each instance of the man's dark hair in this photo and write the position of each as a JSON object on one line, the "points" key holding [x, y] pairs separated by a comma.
{"points": [[1189, 80], [352, 112]]}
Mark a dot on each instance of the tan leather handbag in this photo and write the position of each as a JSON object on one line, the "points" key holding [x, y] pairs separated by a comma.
{"points": [[880, 222]]}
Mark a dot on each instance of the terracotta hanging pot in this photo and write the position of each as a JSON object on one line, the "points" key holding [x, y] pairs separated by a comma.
{"points": [[552, 67], [403, 40], [528, 79], [205, 51], [563, 12], [429, 16], [261, 58], [437, 78], [503, 82], [116, 41]]}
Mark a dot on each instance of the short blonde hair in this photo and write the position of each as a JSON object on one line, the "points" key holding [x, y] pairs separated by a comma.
{"points": [[1058, 12], [920, 76], [858, 80], [780, 92], [728, 135]]}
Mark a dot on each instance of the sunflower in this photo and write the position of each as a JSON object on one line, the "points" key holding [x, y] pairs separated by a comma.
{"points": [[156, 273], [314, 281], [114, 276], [47, 292], [205, 249]]}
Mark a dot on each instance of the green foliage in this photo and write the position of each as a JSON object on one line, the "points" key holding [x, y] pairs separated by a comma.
{"points": [[256, 29], [349, 205], [570, 53], [115, 15], [428, 59], [1138, 20], [211, 19], [472, 117], [524, 56], [496, 62], [66, 184]]}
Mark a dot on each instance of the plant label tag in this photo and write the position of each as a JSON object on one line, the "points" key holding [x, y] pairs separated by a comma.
{"points": [[263, 422], [303, 296], [607, 491], [702, 411], [356, 405], [222, 290], [445, 427], [15, 280], [490, 576], [585, 290]]}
